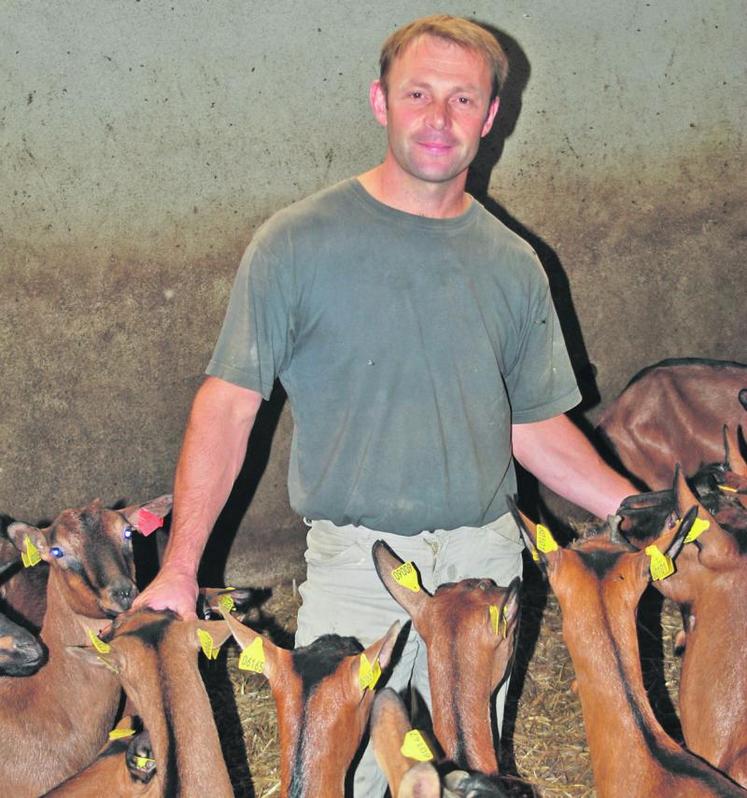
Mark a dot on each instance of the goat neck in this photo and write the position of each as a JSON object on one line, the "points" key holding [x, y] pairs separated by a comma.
{"points": [[469, 629], [323, 702], [155, 657]]}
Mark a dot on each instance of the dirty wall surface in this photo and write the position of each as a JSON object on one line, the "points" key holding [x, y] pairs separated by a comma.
{"points": [[141, 145]]}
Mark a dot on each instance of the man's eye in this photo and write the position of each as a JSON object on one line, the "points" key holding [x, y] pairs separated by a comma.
{"points": [[416, 95], [56, 551], [465, 100]]}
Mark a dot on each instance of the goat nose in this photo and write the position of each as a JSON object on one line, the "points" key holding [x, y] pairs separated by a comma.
{"points": [[123, 594]]}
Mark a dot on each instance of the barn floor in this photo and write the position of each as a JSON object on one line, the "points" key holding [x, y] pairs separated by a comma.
{"points": [[544, 742]]}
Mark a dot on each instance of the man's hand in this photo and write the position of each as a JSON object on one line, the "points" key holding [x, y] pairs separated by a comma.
{"points": [[170, 590]]}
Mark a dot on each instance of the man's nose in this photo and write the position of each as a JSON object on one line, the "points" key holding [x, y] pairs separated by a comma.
{"points": [[438, 114]]}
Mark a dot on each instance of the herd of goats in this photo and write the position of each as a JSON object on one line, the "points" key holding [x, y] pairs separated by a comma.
{"points": [[676, 427]]}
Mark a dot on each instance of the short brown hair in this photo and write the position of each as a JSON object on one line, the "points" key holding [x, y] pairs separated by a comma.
{"points": [[462, 32]]}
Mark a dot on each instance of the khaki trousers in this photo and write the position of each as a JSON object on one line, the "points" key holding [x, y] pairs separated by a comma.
{"points": [[344, 595]]}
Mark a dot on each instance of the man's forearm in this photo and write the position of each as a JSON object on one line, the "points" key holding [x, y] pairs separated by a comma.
{"points": [[213, 450], [563, 459]]}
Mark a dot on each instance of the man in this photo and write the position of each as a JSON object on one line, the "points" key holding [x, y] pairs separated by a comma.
{"points": [[416, 339]]}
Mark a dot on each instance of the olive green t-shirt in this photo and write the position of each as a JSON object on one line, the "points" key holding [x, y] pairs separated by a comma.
{"points": [[407, 347]]}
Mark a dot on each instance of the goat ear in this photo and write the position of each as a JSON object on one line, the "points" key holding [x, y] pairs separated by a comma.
{"points": [[112, 660], [272, 660], [401, 579], [219, 631], [146, 516], [511, 603], [365, 668], [542, 554], [19, 533], [732, 452]]}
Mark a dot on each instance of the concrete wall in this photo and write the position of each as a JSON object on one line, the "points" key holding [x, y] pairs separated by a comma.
{"points": [[143, 142]]}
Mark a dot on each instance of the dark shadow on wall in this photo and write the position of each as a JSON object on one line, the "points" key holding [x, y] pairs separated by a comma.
{"points": [[490, 152], [214, 561]]}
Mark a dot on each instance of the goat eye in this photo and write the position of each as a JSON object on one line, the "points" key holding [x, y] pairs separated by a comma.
{"points": [[56, 551], [127, 532]]}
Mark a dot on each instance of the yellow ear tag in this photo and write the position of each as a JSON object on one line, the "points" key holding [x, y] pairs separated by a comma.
{"points": [[415, 747], [227, 603], [253, 657], [661, 566], [142, 762], [118, 734], [545, 541], [98, 644], [368, 674], [407, 576], [31, 556], [494, 619], [697, 529], [206, 642], [727, 489]]}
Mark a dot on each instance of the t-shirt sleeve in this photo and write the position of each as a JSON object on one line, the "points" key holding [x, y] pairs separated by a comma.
{"points": [[540, 382], [255, 340]]}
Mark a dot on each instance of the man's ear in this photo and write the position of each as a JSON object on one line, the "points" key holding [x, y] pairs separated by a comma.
{"points": [[377, 100], [492, 111]]}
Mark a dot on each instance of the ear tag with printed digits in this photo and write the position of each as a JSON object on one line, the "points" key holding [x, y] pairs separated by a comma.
{"points": [[148, 522], [142, 762], [98, 644], [660, 566], [206, 642], [697, 529], [727, 489], [368, 674], [227, 603], [30, 556], [253, 657], [545, 541], [415, 747], [407, 576], [118, 734]]}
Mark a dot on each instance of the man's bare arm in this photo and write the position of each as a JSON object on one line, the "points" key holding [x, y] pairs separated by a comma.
{"points": [[561, 457], [212, 453]]}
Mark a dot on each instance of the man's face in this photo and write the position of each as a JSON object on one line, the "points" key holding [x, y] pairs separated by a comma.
{"points": [[436, 109]]}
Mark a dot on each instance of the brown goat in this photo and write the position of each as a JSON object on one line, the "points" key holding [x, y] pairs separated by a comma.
{"points": [[408, 766], [469, 629], [124, 768], [323, 694], [598, 584], [710, 586], [53, 723], [673, 412], [155, 654], [25, 591]]}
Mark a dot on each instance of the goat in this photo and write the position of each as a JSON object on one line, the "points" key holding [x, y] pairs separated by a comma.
{"points": [[25, 591], [407, 761], [598, 585], [154, 654], [710, 586], [323, 694], [469, 629], [53, 722], [21, 654], [673, 412], [123, 768]]}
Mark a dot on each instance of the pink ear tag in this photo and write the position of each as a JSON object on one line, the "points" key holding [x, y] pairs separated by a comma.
{"points": [[148, 522]]}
